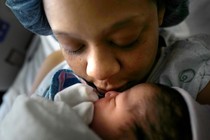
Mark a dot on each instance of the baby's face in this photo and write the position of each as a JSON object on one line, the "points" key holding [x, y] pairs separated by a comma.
{"points": [[114, 112]]}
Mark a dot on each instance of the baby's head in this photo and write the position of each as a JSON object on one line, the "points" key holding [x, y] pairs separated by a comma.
{"points": [[145, 111]]}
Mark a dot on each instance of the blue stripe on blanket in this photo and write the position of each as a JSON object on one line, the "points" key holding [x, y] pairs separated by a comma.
{"points": [[61, 80]]}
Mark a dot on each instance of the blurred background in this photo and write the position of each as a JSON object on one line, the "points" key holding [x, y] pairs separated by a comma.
{"points": [[14, 42]]}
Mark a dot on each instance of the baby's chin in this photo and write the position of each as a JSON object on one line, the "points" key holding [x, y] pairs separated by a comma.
{"points": [[98, 129], [94, 125]]}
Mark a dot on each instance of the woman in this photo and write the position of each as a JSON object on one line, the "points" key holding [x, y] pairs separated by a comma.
{"points": [[114, 45]]}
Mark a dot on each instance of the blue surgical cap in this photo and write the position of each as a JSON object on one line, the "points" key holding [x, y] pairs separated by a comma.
{"points": [[31, 14]]}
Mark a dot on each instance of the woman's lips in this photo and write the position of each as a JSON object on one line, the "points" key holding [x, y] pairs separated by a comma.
{"points": [[119, 89], [101, 92]]}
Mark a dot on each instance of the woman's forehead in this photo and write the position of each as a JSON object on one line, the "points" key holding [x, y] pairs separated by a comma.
{"points": [[77, 15], [95, 7], [97, 2]]}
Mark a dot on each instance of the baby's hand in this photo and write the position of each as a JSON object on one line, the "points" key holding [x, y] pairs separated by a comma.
{"points": [[79, 97], [76, 94]]}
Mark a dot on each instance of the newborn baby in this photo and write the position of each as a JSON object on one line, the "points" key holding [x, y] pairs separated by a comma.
{"points": [[138, 112]]}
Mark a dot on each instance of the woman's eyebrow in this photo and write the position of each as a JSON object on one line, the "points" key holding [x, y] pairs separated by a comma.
{"points": [[63, 33], [58, 33], [115, 26], [123, 22]]}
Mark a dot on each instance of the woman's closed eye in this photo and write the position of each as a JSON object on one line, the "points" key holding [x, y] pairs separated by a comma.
{"points": [[72, 46], [127, 41], [125, 45], [69, 49]]}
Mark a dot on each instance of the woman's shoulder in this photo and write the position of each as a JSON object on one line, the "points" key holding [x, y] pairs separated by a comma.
{"points": [[171, 39], [198, 42], [186, 63], [194, 46]]}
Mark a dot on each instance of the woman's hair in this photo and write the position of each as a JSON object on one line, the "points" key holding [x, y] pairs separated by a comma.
{"points": [[175, 11], [172, 120]]}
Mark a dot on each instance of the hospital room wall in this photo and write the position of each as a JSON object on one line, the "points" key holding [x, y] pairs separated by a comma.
{"points": [[199, 19], [197, 22], [14, 42]]}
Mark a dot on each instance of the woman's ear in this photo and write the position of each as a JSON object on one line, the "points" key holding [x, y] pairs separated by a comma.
{"points": [[161, 13]]}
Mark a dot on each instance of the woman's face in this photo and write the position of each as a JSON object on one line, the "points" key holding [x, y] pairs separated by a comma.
{"points": [[116, 111], [110, 43]]}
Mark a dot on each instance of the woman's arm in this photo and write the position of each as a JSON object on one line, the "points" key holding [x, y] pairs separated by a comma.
{"points": [[49, 63]]}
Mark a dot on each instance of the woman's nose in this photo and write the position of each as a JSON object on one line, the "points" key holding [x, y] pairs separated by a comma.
{"points": [[102, 65]]}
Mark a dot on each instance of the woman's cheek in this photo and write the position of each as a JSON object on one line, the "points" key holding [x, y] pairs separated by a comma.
{"points": [[77, 65]]}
